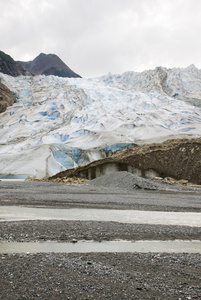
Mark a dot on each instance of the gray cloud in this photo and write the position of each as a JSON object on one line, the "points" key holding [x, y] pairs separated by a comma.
{"points": [[94, 37]]}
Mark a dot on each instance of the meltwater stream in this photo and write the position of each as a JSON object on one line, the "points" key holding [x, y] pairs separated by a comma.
{"points": [[17, 213], [176, 246]]}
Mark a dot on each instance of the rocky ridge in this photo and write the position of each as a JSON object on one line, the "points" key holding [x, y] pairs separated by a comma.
{"points": [[43, 64], [10, 67]]}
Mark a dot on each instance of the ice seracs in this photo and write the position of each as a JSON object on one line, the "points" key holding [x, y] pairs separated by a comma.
{"points": [[59, 123], [179, 83]]}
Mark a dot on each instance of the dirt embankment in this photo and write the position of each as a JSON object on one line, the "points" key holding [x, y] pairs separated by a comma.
{"points": [[6, 97], [179, 159]]}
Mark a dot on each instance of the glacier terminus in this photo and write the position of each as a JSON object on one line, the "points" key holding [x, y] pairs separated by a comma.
{"points": [[60, 123]]}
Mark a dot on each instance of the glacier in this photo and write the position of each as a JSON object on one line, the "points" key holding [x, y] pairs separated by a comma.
{"points": [[61, 123]]}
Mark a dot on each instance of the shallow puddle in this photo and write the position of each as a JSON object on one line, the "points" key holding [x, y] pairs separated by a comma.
{"points": [[176, 246], [9, 177], [17, 213], [9, 180]]}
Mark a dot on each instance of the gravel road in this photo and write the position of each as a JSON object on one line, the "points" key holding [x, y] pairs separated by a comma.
{"points": [[98, 275]]}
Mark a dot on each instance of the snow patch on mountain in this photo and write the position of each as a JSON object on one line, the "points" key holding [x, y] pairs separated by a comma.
{"points": [[60, 123]]}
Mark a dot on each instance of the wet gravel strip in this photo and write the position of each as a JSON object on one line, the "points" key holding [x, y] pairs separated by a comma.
{"points": [[100, 276], [26, 231]]}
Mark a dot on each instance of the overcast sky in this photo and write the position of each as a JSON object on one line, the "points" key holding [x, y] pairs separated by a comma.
{"points": [[94, 37]]}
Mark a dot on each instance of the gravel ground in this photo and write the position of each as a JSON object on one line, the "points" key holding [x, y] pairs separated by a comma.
{"points": [[98, 275], [49, 194], [27, 231]]}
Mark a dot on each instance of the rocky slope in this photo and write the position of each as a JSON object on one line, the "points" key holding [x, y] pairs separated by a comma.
{"points": [[6, 97], [180, 159], [10, 67], [48, 64]]}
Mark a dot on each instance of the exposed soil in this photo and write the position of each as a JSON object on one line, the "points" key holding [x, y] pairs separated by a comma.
{"points": [[180, 159], [6, 97]]}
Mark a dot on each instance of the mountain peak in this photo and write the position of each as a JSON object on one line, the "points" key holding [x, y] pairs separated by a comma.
{"points": [[48, 64]]}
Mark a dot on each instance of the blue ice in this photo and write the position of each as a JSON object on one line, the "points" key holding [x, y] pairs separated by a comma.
{"points": [[43, 113], [76, 155], [53, 108], [186, 129], [79, 133], [24, 93], [54, 114], [64, 159], [117, 147], [63, 138]]}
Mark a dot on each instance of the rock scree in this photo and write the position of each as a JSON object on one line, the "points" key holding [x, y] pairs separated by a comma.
{"points": [[124, 180], [127, 181]]}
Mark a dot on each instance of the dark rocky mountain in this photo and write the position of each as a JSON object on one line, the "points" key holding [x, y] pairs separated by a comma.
{"points": [[48, 64], [6, 97], [10, 67]]}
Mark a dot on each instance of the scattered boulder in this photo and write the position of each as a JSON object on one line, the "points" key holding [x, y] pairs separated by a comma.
{"points": [[67, 180]]}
